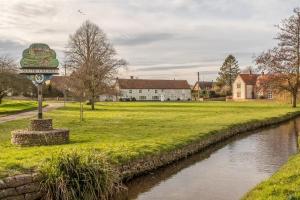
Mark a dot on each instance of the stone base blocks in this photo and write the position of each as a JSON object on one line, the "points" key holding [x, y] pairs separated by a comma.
{"points": [[21, 187], [40, 133], [41, 125]]}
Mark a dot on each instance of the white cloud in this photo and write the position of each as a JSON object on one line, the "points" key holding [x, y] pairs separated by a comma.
{"points": [[151, 33]]}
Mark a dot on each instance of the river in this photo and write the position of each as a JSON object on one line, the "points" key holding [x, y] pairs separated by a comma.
{"points": [[225, 171]]}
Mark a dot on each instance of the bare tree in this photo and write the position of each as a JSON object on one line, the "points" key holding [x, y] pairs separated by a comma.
{"points": [[282, 63], [10, 80], [7, 64], [90, 52], [77, 88]]}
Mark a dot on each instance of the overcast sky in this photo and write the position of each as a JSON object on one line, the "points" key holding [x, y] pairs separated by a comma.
{"points": [[160, 39]]}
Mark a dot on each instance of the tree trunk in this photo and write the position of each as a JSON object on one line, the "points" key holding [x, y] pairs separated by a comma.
{"points": [[294, 99], [93, 103], [298, 63], [81, 109], [1, 97]]}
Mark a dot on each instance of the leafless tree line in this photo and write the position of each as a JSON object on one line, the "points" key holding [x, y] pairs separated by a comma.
{"points": [[282, 63]]}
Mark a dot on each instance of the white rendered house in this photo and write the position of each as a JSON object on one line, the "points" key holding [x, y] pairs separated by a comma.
{"points": [[153, 90]]}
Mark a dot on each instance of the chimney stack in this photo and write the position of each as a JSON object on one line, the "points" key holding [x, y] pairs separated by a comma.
{"points": [[131, 77]]}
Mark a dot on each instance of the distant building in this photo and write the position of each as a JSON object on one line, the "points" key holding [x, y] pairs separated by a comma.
{"points": [[153, 90], [244, 86], [201, 87], [248, 86]]}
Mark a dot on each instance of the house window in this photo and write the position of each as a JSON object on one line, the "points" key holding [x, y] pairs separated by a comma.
{"points": [[238, 94], [270, 95], [140, 91], [162, 90], [130, 91], [238, 85], [155, 91], [155, 98], [143, 98]]}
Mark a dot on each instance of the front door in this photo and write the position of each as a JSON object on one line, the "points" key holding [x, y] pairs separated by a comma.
{"points": [[249, 92]]}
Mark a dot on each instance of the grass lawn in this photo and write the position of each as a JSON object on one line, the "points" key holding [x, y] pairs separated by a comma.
{"points": [[14, 106], [283, 185], [126, 131]]}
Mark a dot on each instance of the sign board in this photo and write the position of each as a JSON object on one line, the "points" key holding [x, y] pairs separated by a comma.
{"points": [[39, 59], [39, 63]]}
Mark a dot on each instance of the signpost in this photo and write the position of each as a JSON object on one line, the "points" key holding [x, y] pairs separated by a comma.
{"points": [[39, 63]]}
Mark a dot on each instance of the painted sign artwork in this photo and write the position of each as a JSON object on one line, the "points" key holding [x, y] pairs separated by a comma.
{"points": [[39, 63], [39, 55]]}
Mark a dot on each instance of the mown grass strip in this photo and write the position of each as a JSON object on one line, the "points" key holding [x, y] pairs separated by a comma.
{"points": [[129, 131]]}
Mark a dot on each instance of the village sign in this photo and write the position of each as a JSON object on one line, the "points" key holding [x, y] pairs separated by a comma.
{"points": [[39, 63]]}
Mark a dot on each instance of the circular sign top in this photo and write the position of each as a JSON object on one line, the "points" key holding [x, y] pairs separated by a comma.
{"points": [[39, 78], [39, 56]]}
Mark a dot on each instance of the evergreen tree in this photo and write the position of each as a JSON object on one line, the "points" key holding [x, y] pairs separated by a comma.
{"points": [[228, 73]]}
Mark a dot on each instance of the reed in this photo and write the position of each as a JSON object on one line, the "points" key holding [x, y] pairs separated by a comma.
{"points": [[75, 176]]}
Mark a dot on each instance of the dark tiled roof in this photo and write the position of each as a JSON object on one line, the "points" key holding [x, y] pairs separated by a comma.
{"points": [[204, 85], [152, 84], [249, 79]]}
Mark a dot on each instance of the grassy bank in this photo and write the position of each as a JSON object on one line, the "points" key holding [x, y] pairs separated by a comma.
{"points": [[14, 106], [283, 185], [126, 131]]}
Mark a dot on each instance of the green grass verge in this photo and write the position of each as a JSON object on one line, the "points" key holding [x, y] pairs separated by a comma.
{"points": [[283, 185], [15, 106], [125, 131]]}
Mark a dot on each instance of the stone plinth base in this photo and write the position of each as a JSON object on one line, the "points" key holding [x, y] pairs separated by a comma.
{"points": [[38, 138], [40, 133], [41, 125]]}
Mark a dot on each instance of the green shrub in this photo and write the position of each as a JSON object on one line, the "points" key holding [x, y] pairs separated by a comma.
{"points": [[75, 176]]}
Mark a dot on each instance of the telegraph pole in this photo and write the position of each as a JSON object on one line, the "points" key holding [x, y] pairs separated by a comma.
{"points": [[198, 86], [65, 92]]}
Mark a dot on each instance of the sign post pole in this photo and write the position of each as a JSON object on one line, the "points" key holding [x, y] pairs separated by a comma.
{"points": [[40, 101]]}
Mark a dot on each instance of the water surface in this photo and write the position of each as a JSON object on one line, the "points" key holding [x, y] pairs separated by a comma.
{"points": [[225, 171]]}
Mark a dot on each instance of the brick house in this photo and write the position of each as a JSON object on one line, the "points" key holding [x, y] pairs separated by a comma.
{"points": [[201, 86], [247, 86]]}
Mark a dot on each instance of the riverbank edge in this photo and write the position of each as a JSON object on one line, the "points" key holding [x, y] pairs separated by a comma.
{"points": [[149, 163], [27, 187], [282, 185]]}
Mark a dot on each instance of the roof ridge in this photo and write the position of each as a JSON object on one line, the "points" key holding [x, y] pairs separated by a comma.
{"points": [[153, 84]]}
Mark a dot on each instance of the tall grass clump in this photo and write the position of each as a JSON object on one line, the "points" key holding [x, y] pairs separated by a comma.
{"points": [[75, 176]]}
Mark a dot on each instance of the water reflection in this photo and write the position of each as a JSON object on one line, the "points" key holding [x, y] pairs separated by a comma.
{"points": [[225, 171]]}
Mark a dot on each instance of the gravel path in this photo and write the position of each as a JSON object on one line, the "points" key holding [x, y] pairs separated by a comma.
{"points": [[28, 114]]}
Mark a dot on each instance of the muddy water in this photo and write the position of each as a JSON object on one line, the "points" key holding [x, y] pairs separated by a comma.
{"points": [[225, 171]]}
